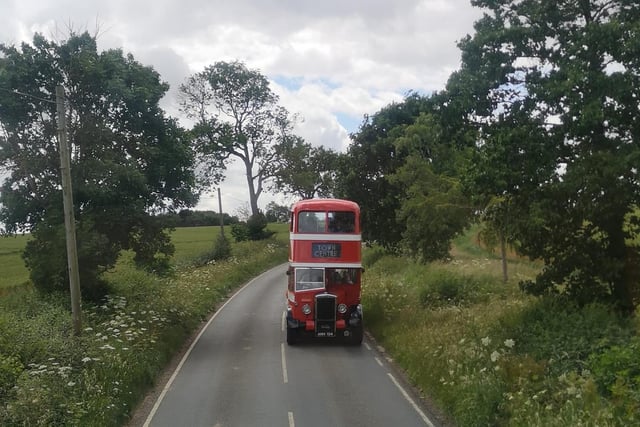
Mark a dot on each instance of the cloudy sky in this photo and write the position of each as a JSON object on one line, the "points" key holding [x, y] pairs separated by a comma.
{"points": [[330, 61]]}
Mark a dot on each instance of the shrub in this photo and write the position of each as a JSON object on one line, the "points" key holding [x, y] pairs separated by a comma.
{"points": [[253, 229], [10, 370], [240, 232], [221, 248], [371, 255], [442, 287], [616, 371], [221, 251]]}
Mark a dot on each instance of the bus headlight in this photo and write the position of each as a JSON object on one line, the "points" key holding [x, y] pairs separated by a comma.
{"points": [[306, 309], [342, 308]]}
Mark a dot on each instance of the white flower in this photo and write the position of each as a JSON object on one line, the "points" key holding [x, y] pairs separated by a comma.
{"points": [[71, 383], [86, 359], [495, 356], [485, 341], [509, 343]]}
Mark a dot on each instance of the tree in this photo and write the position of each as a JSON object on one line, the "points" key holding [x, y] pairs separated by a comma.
{"points": [[128, 159], [568, 73], [237, 116], [363, 172], [433, 208], [276, 212], [303, 170]]}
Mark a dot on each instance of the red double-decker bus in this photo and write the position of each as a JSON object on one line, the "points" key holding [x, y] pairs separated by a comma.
{"points": [[325, 268]]}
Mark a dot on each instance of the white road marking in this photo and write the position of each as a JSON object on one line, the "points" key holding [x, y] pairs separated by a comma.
{"points": [[193, 344], [378, 360], [285, 377], [291, 421], [367, 346], [426, 420]]}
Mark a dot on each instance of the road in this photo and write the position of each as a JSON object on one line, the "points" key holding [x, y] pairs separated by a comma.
{"points": [[240, 372]]}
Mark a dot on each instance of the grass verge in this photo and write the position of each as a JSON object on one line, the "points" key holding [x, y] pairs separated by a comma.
{"points": [[48, 377], [489, 355]]}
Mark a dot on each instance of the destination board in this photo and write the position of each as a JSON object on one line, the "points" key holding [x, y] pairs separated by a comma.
{"points": [[326, 250]]}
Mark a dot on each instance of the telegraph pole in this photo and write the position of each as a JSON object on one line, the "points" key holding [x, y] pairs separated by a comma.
{"points": [[221, 217], [69, 218]]}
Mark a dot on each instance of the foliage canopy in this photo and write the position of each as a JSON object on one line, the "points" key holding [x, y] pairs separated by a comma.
{"points": [[557, 105], [128, 160]]}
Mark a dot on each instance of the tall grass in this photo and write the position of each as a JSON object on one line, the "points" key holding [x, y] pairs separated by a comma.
{"points": [[48, 377], [489, 355]]}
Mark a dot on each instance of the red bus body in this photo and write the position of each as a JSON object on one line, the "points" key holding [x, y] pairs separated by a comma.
{"points": [[325, 269]]}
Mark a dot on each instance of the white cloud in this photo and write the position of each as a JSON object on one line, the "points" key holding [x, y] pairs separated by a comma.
{"points": [[347, 58]]}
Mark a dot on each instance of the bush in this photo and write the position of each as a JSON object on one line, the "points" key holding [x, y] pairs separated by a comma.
{"points": [[221, 251], [10, 370], [443, 287], [240, 232], [371, 255], [617, 374], [566, 333], [221, 248], [253, 229]]}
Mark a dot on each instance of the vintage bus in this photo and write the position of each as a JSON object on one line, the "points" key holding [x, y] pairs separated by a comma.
{"points": [[325, 268]]}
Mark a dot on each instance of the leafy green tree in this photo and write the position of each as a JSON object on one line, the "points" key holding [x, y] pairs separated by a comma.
{"points": [[364, 171], [276, 213], [128, 159], [565, 75], [433, 206], [303, 170], [237, 116]]}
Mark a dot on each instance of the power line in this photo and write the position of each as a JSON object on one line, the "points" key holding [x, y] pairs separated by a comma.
{"points": [[26, 95]]}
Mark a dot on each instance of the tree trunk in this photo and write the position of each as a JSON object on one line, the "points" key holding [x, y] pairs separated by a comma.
{"points": [[253, 196]]}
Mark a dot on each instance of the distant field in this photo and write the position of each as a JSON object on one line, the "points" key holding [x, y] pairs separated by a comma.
{"points": [[11, 264], [190, 242]]}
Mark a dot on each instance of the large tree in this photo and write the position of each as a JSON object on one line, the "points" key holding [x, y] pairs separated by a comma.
{"points": [[433, 206], [128, 159], [364, 171], [565, 77], [237, 116], [303, 170]]}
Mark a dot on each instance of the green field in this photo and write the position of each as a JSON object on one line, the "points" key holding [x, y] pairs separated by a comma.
{"points": [[190, 243], [14, 272]]}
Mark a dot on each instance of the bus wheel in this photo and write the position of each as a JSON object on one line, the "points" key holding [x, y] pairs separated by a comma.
{"points": [[292, 336]]}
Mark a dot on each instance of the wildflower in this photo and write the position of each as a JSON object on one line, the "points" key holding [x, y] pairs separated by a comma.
{"points": [[509, 343], [71, 384], [495, 356], [86, 359], [107, 347], [485, 341]]}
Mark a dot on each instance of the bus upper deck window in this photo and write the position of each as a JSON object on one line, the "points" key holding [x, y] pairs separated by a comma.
{"points": [[311, 222], [342, 222]]}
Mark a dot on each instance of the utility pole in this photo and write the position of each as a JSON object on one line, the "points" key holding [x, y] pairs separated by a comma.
{"points": [[69, 218], [221, 217]]}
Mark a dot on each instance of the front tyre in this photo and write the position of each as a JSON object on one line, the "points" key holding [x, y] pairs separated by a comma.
{"points": [[357, 334], [293, 336]]}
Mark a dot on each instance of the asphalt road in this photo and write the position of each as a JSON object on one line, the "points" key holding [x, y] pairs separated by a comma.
{"points": [[240, 372]]}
